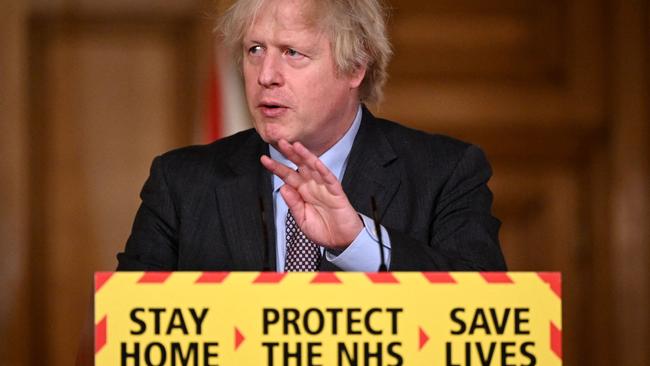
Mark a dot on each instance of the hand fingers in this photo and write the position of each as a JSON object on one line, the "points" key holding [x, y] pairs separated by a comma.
{"points": [[305, 170], [329, 179], [319, 169], [289, 152], [310, 167], [310, 173], [288, 175], [325, 173], [295, 203], [304, 155]]}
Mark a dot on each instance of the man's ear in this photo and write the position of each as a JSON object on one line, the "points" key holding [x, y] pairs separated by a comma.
{"points": [[356, 77]]}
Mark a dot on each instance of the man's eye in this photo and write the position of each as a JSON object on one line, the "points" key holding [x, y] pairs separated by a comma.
{"points": [[255, 50], [294, 54]]}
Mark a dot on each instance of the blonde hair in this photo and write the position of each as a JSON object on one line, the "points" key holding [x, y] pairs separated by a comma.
{"points": [[356, 29]]}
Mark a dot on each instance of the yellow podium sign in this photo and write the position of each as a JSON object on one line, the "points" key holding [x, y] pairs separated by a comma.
{"points": [[328, 318]]}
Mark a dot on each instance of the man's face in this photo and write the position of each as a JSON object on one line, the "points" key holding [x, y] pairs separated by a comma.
{"points": [[292, 87]]}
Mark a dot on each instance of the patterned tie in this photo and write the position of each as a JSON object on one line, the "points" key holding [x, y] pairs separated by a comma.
{"points": [[303, 255]]}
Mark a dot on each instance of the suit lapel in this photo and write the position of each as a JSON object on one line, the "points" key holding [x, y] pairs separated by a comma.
{"points": [[238, 201], [372, 170]]}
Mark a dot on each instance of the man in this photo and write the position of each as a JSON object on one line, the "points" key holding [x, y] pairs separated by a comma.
{"points": [[316, 159]]}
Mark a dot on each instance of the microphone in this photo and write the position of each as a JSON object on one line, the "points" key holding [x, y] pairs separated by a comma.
{"points": [[266, 267], [375, 217]]}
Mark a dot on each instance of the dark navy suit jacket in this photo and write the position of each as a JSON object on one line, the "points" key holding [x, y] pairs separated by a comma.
{"points": [[200, 205]]}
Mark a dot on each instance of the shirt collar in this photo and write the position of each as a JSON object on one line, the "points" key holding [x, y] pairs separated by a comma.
{"points": [[335, 159]]}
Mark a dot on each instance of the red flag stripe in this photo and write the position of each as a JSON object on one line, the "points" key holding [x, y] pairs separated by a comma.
{"points": [[212, 277], [154, 277], [101, 278], [100, 334], [382, 277], [213, 128], [496, 277], [439, 277], [326, 277]]}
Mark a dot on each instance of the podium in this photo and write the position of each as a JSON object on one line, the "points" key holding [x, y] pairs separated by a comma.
{"points": [[328, 318]]}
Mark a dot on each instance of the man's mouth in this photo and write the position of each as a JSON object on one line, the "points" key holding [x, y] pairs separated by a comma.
{"points": [[272, 109]]}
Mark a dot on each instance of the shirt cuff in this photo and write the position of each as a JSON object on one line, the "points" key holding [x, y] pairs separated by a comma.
{"points": [[363, 255]]}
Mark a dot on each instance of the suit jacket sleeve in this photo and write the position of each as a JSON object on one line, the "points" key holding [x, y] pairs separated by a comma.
{"points": [[464, 234], [152, 244]]}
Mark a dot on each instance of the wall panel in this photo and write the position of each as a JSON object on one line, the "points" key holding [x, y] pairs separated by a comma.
{"points": [[14, 185], [108, 96]]}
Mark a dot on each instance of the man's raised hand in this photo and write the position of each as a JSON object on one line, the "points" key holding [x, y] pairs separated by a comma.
{"points": [[315, 197]]}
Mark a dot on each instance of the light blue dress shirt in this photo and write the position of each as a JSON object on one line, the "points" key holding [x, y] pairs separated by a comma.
{"points": [[363, 254]]}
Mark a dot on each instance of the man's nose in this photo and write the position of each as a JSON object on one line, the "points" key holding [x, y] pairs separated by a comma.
{"points": [[270, 72]]}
